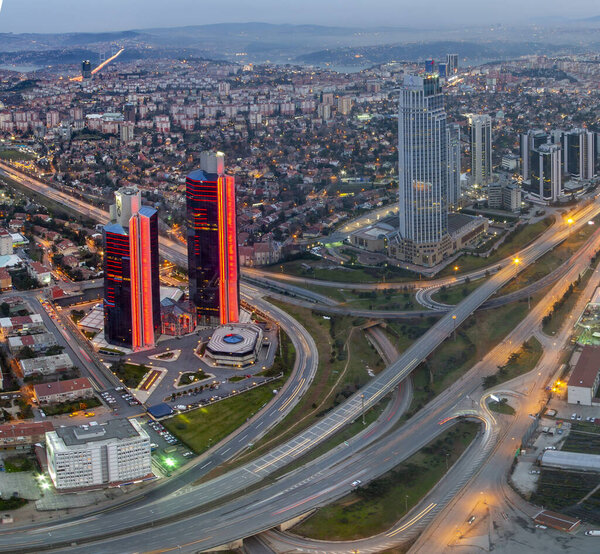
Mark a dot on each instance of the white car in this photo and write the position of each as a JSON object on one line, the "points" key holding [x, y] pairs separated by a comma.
{"points": [[356, 483]]}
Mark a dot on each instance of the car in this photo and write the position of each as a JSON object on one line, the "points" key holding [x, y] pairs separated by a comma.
{"points": [[471, 520], [573, 416], [578, 418], [187, 454], [550, 448], [593, 533], [541, 526], [356, 483]]}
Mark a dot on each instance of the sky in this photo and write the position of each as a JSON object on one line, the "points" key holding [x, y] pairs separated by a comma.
{"points": [[59, 16]]}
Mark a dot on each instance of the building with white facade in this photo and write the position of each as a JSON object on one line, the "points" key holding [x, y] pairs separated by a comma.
{"points": [[94, 456], [235, 345], [46, 365], [480, 136], [583, 382]]}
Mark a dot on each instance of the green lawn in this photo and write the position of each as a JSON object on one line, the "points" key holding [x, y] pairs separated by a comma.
{"points": [[454, 295], [520, 362], [130, 374], [68, 407], [191, 377], [15, 464], [377, 506], [199, 429], [388, 299], [512, 244], [502, 407], [16, 155]]}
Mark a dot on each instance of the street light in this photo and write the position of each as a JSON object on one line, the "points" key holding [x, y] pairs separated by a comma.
{"points": [[516, 261], [454, 326]]}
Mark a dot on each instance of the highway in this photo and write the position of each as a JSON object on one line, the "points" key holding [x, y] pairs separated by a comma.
{"points": [[271, 504], [240, 479], [443, 535], [500, 445]]}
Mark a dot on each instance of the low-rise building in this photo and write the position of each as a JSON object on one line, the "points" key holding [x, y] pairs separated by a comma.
{"points": [[38, 343], [585, 377], [235, 345], [21, 325], [373, 238], [39, 272], [177, 318], [5, 279], [63, 391], [94, 456], [24, 434], [46, 365]]}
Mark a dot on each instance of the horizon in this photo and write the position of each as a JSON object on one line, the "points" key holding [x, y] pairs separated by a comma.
{"points": [[26, 16]]}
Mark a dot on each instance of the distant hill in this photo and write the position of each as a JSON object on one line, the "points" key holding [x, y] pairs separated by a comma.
{"points": [[472, 51]]}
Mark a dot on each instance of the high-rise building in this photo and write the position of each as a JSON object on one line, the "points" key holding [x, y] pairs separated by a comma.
{"points": [[579, 154], [423, 169], [545, 182], [454, 152], [129, 112], [442, 69], [429, 66], [451, 64], [86, 69], [480, 136], [131, 273], [212, 241], [127, 131], [529, 141]]}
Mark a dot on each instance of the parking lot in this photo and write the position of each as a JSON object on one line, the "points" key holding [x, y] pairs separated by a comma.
{"points": [[167, 452], [121, 402]]}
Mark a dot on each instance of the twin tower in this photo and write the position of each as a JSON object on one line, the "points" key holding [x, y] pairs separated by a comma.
{"points": [[131, 262]]}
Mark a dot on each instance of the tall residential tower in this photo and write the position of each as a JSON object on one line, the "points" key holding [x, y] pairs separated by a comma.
{"points": [[212, 241], [480, 136]]}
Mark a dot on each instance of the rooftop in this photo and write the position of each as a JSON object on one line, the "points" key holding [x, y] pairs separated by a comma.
{"points": [[60, 387], [586, 370], [81, 434]]}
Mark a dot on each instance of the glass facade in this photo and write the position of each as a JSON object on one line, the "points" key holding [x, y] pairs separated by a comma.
{"points": [[203, 243], [117, 286], [423, 160]]}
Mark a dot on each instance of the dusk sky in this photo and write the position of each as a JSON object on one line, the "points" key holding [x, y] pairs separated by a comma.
{"points": [[56, 16]]}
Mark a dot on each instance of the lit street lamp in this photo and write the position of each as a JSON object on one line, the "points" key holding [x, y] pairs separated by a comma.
{"points": [[454, 326], [516, 261]]}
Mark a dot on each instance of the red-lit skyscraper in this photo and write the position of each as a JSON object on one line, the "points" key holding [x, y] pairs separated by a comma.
{"points": [[212, 241], [131, 279]]}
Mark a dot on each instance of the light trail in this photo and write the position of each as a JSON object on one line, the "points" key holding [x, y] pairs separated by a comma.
{"points": [[79, 78]]}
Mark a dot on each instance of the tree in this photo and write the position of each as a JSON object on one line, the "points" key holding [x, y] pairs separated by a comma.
{"points": [[5, 309]]}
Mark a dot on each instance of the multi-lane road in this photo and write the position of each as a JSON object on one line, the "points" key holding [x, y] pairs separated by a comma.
{"points": [[292, 494]]}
